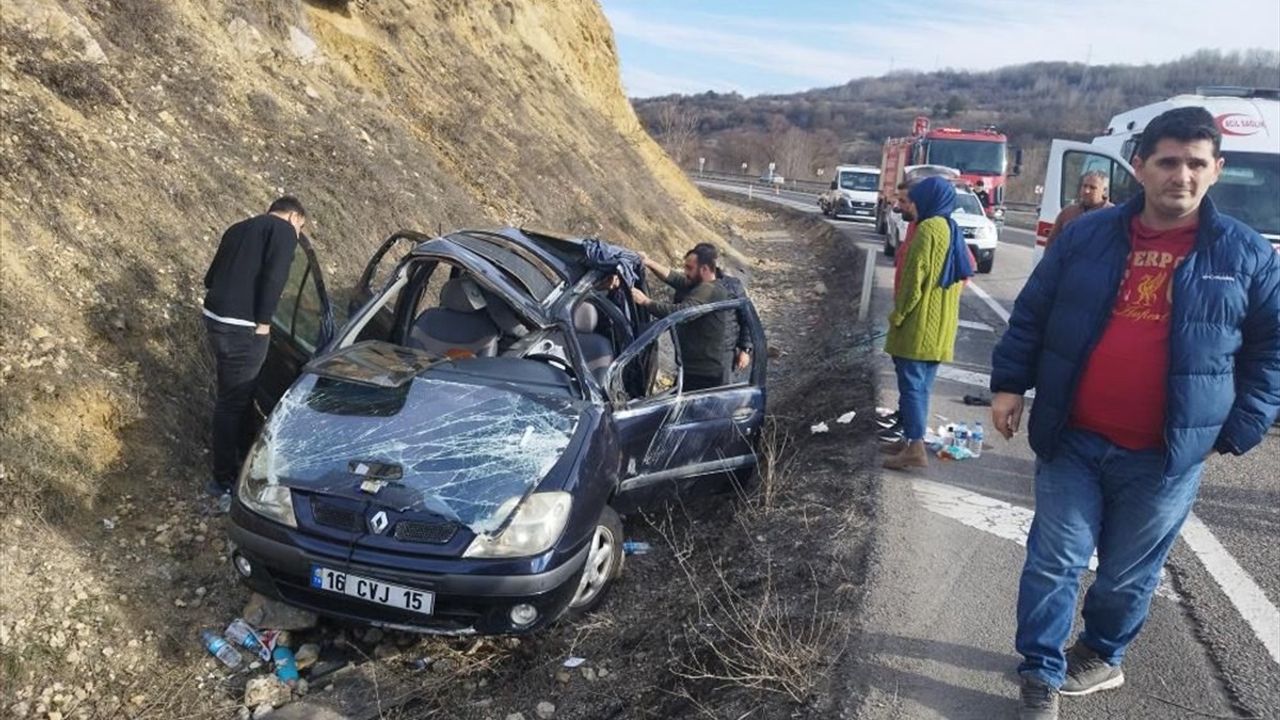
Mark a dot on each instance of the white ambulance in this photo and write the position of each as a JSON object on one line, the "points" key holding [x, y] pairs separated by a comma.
{"points": [[1248, 190]]}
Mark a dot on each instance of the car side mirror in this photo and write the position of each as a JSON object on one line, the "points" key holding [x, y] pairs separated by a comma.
{"points": [[833, 184]]}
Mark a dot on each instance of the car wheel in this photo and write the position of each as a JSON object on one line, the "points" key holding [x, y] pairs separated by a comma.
{"points": [[604, 563], [984, 266]]}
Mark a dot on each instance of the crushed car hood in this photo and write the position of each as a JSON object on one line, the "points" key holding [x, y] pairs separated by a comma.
{"points": [[454, 449]]}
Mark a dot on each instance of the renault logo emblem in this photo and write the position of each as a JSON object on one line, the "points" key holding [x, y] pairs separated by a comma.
{"points": [[378, 522]]}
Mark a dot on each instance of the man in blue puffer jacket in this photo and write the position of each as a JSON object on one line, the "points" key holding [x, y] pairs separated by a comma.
{"points": [[1151, 334]]}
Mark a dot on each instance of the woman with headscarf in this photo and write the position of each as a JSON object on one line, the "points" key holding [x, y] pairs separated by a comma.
{"points": [[926, 312]]}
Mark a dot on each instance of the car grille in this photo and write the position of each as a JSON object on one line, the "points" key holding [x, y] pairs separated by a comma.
{"points": [[438, 533], [864, 205], [970, 232], [335, 516]]}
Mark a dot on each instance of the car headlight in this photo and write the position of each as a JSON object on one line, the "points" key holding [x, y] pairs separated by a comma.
{"points": [[261, 493], [533, 529]]}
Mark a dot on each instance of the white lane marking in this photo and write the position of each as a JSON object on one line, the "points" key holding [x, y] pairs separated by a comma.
{"points": [[974, 325], [969, 377], [1249, 599], [991, 302], [997, 517]]}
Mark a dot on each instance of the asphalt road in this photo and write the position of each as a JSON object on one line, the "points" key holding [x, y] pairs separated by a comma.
{"points": [[939, 618]]}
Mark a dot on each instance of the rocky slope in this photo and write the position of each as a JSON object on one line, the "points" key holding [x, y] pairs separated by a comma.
{"points": [[136, 130]]}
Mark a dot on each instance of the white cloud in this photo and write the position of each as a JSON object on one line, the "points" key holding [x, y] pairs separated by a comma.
{"points": [[966, 34], [764, 52]]}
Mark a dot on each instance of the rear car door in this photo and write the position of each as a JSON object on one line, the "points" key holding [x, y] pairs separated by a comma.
{"points": [[668, 433], [302, 324], [1068, 162]]}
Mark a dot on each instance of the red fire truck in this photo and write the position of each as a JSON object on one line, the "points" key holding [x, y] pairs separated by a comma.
{"points": [[979, 155]]}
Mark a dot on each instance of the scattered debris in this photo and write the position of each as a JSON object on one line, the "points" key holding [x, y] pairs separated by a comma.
{"points": [[266, 690], [847, 418], [219, 648], [574, 662], [978, 400], [286, 666], [819, 428], [632, 547], [546, 710], [306, 655]]}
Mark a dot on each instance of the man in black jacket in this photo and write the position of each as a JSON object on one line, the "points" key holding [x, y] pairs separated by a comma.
{"points": [[243, 285]]}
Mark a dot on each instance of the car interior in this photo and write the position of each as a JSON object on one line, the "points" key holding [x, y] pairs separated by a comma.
{"points": [[454, 316]]}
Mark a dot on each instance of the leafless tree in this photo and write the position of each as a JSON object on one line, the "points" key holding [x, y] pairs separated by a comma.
{"points": [[678, 133]]}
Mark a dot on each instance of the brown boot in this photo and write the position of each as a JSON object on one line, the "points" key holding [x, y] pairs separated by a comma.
{"points": [[912, 456], [894, 447]]}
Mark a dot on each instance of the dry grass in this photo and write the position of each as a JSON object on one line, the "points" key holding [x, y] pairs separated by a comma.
{"points": [[747, 633]]}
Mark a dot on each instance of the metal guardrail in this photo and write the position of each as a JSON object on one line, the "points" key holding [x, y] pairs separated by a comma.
{"points": [[811, 186]]}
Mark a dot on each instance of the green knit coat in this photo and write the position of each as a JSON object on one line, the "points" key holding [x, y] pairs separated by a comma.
{"points": [[923, 323]]}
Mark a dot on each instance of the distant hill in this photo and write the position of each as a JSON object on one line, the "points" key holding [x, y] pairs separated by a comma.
{"points": [[1032, 103]]}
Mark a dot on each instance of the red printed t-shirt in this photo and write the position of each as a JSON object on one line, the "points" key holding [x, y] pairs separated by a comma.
{"points": [[1122, 395]]}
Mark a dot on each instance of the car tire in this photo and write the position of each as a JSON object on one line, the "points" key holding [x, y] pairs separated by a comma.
{"points": [[603, 566], [984, 266]]}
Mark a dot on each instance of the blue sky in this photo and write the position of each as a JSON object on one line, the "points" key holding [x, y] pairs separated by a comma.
{"points": [[757, 46]]}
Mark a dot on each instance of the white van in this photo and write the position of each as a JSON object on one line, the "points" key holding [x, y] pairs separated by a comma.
{"points": [[1249, 189], [853, 193]]}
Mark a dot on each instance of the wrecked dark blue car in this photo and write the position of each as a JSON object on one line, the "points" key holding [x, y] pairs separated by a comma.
{"points": [[455, 458]]}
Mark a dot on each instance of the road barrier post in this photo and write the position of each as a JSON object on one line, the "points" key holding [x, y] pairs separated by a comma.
{"points": [[868, 277]]}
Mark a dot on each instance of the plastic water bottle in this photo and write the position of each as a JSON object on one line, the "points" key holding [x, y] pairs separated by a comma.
{"points": [[241, 633], [286, 666], [962, 436], [221, 649], [975, 441], [632, 547]]}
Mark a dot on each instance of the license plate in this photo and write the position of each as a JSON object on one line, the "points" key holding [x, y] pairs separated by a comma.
{"points": [[861, 212], [374, 591]]}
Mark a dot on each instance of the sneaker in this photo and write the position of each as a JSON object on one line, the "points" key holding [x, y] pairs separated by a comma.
{"points": [[888, 421], [1088, 673], [890, 435], [1038, 701]]}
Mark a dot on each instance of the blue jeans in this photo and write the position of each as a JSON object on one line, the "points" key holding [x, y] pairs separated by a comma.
{"points": [[915, 381], [1096, 495]]}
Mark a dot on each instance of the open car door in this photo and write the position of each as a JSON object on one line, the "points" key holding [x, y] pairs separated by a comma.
{"points": [[302, 324], [668, 432], [1068, 163]]}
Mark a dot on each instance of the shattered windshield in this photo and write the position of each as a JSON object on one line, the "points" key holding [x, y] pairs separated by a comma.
{"points": [[455, 449]]}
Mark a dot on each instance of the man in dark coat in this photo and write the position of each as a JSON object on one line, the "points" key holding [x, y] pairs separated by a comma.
{"points": [[1151, 334], [243, 285]]}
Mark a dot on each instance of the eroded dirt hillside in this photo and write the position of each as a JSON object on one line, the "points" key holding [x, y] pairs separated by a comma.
{"points": [[134, 131]]}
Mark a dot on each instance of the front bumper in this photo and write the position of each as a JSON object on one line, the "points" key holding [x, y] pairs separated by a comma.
{"points": [[982, 254], [857, 210], [465, 604]]}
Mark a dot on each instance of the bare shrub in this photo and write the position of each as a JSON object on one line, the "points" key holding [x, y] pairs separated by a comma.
{"points": [[757, 640]]}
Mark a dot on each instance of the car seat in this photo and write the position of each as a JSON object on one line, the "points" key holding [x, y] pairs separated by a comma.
{"points": [[597, 350], [459, 326]]}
